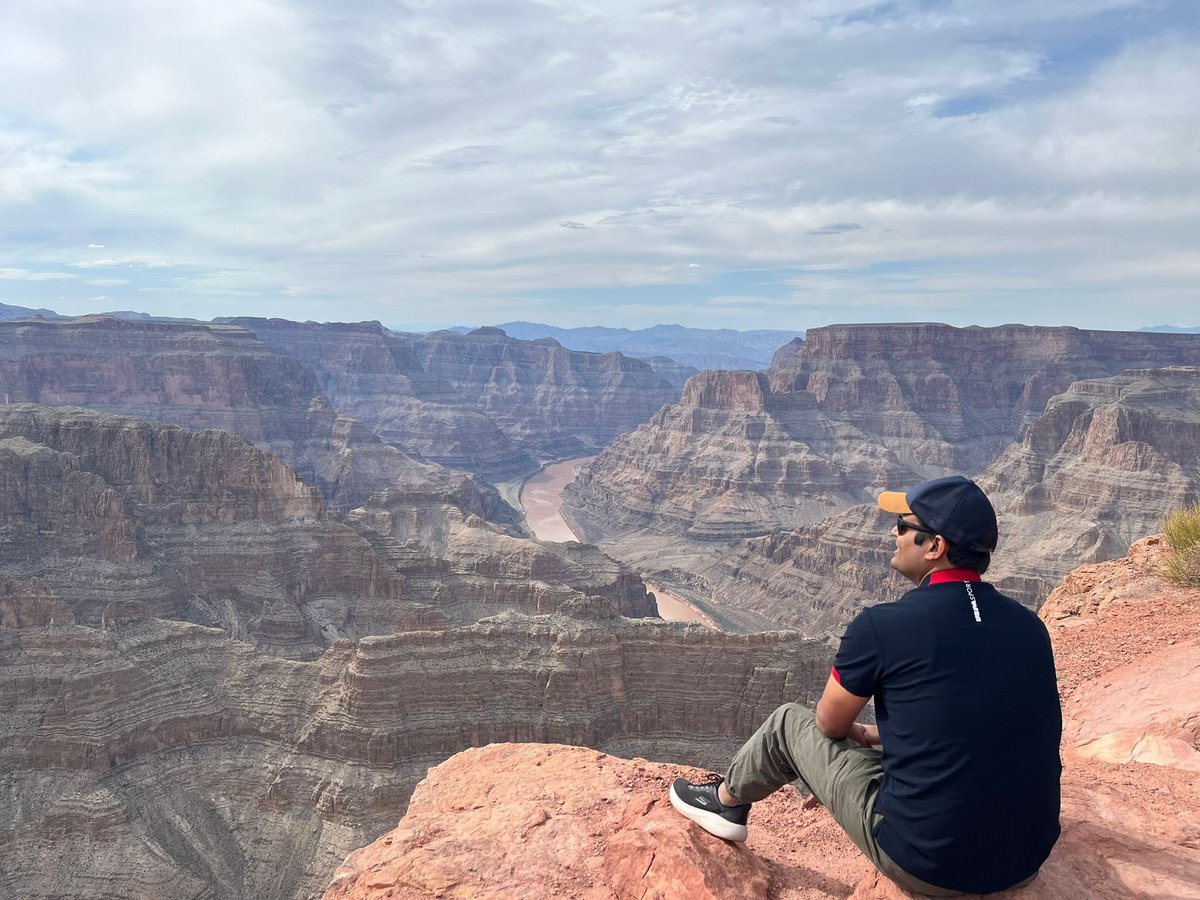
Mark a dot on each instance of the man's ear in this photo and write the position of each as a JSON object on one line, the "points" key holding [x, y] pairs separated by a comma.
{"points": [[936, 549]]}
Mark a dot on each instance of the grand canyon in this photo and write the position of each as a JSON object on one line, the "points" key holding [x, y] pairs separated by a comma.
{"points": [[259, 577]]}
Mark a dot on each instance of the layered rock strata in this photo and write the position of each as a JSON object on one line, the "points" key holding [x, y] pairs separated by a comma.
{"points": [[753, 488], [847, 412], [541, 822], [483, 401], [1103, 464], [157, 759], [123, 518], [733, 458], [946, 398], [470, 568], [215, 376]]}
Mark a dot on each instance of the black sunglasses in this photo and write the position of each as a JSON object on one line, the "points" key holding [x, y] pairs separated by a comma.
{"points": [[902, 526]]}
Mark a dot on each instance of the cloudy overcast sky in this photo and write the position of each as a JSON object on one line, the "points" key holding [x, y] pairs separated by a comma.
{"points": [[746, 165]]}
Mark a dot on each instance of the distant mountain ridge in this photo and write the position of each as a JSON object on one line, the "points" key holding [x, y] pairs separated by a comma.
{"points": [[1173, 329], [704, 348], [24, 312]]}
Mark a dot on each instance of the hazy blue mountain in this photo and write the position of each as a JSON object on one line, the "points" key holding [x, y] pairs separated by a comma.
{"points": [[1172, 329], [703, 348], [24, 312]]}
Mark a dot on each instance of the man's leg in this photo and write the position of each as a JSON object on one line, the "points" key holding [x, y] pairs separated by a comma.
{"points": [[788, 746], [843, 775]]}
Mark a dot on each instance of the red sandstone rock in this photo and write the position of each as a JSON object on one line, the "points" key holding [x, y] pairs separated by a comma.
{"points": [[547, 821]]}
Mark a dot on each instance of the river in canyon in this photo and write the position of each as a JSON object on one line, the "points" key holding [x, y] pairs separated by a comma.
{"points": [[541, 501]]}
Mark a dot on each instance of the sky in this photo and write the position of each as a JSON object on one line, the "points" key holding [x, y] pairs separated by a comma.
{"points": [[625, 163]]}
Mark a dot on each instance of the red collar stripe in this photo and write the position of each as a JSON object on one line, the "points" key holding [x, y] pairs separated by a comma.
{"points": [[953, 575]]}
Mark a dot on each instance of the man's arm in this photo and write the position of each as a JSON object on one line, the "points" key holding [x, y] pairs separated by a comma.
{"points": [[836, 714]]}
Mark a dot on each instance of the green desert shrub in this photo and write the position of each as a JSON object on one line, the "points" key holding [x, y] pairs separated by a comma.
{"points": [[1182, 530]]}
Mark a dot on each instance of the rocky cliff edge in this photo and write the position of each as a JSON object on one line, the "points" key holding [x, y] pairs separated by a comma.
{"points": [[534, 821]]}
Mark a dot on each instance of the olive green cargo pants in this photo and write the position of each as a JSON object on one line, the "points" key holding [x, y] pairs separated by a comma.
{"points": [[841, 774]]}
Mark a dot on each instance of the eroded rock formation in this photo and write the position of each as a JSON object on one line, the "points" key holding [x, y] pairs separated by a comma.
{"points": [[483, 401], [122, 519], [215, 376], [851, 410], [215, 685], [758, 490], [953, 398], [542, 822], [1102, 465], [470, 568], [159, 759], [733, 458]]}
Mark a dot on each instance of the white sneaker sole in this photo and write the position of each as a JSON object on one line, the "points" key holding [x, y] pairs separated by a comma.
{"points": [[709, 821]]}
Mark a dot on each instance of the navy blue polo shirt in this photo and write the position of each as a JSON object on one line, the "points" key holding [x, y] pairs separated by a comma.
{"points": [[967, 705]]}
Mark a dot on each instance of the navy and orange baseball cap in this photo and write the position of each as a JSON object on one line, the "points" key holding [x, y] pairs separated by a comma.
{"points": [[954, 507]]}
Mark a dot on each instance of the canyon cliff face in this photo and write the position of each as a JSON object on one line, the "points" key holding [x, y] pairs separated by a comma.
{"points": [[124, 519], [852, 410], [482, 401], [1102, 465], [215, 376], [550, 821], [470, 568], [216, 685], [752, 489], [733, 458], [160, 759], [946, 398]]}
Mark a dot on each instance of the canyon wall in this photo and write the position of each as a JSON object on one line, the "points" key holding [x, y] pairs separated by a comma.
{"points": [[216, 376], [733, 458], [124, 518], [754, 487], [482, 401], [1102, 465], [216, 685], [950, 398], [1105, 462], [154, 759]]}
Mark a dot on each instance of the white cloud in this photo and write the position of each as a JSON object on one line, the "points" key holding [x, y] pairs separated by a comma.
{"points": [[8, 274], [446, 155]]}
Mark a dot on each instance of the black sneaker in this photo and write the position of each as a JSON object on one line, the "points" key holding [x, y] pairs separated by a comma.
{"points": [[699, 803]]}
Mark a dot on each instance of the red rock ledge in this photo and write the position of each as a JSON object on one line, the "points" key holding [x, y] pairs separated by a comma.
{"points": [[548, 821]]}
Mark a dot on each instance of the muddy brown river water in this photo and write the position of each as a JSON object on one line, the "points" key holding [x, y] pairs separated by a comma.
{"points": [[541, 501]]}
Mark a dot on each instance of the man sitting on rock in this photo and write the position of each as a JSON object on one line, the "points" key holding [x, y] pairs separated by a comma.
{"points": [[964, 796]]}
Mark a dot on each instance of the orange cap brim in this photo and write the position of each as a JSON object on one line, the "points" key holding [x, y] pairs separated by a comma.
{"points": [[894, 502]]}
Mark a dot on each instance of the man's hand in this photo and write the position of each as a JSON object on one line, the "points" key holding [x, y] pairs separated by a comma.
{"points": [[865, 735]]}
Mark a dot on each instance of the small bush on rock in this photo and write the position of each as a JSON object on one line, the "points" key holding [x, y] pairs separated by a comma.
{"points": [[1182, 531]]}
